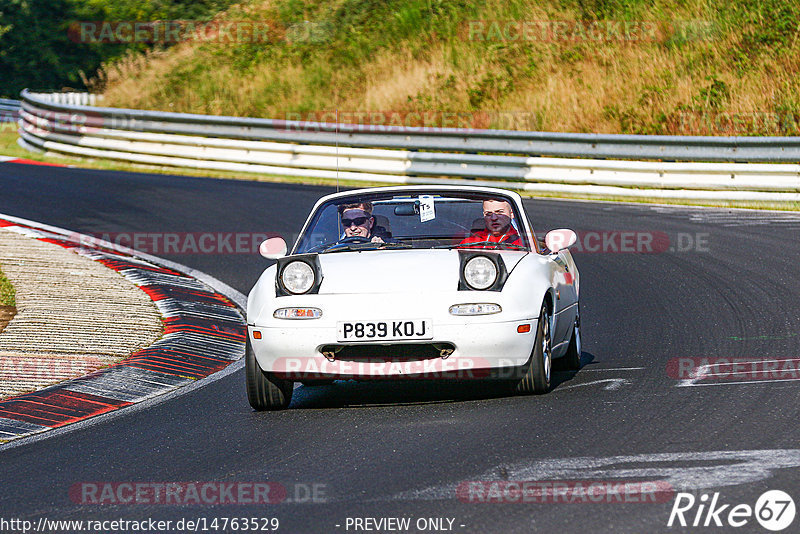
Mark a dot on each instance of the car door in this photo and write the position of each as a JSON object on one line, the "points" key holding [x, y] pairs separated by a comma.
{"points": [[565, 284]]}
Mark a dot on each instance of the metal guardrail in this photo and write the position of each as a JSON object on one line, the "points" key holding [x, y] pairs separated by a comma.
{"points": [[9, 110], [416, 155]]}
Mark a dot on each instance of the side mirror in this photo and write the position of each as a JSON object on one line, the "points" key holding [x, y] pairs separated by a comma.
{"points": [[273, 248], [560, 239]]}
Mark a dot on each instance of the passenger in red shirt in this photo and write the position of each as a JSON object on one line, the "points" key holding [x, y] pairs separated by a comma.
{"points": [[497, 215]]}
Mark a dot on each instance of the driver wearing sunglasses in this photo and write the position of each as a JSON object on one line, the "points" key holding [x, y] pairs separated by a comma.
{"points": [[357, 221]]}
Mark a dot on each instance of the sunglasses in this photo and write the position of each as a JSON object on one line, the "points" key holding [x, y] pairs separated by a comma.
{"points": [[358, 221]]}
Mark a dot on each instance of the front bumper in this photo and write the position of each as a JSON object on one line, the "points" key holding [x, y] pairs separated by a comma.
{"points": [[476, 348]]}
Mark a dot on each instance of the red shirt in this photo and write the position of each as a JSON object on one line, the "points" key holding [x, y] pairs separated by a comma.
{"points": [[511, 237]]}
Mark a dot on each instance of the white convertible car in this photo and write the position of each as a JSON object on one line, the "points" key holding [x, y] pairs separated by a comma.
{"points": [[441, 282]]}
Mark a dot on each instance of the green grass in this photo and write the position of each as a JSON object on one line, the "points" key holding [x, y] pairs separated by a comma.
{"points": [[7, 293], [710, 59]]}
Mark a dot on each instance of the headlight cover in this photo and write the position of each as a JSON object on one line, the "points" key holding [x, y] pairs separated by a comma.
{"points": [[480, 273], [298, 274], [481, 270], [297, 277]]}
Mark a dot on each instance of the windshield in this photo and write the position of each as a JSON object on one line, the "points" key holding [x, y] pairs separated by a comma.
{"points": [[425, 220]]}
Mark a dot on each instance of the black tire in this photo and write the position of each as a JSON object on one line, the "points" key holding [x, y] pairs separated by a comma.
{"points": [[537, 371], [265, 391], [571, 361]]}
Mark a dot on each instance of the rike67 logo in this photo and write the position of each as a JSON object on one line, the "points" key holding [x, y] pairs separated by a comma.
{"points": [[774, 510]]}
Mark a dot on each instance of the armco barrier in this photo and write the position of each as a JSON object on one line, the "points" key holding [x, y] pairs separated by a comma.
{"points": [[9, 110], [419, 155]]}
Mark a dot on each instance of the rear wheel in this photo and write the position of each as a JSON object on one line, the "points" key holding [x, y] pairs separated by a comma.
{"points": [[537, 371], [265, 391]]}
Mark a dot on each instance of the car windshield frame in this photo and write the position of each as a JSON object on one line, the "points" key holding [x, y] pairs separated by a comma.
{"points": [[306, 245]]}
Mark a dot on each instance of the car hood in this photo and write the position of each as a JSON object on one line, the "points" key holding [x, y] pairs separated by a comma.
{"points": [[388, 271]]}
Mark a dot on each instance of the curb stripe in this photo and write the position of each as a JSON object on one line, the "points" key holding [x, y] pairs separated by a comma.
{"points": [[120, 265], [203, 325], [128, 384], [204, 332], [34, 162], [161, 293], [56, 407], [24, 161]]}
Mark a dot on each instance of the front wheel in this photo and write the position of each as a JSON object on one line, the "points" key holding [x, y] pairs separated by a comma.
{"points": [[265, 391], [537, 371]]}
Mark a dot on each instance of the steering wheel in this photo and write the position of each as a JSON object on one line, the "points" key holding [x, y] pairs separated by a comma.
{"points": [[353, 240], [356, 240]]}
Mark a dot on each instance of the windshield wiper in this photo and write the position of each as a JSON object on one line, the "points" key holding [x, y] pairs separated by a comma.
{"points": [[341, 247], [318, 248], [494, 244], [394, 244]]}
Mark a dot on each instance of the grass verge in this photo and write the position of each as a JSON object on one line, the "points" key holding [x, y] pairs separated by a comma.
{"points": [[7, 293], [678, 67], [8, 301]]}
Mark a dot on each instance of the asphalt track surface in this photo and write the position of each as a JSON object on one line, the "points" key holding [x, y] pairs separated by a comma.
{"points": [[399, 449]]}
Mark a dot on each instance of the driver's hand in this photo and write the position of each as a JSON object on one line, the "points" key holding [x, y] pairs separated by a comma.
{"points": [[377, 239]]}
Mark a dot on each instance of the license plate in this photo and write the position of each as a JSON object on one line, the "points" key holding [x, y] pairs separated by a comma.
{"points": [[402, 329]]}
